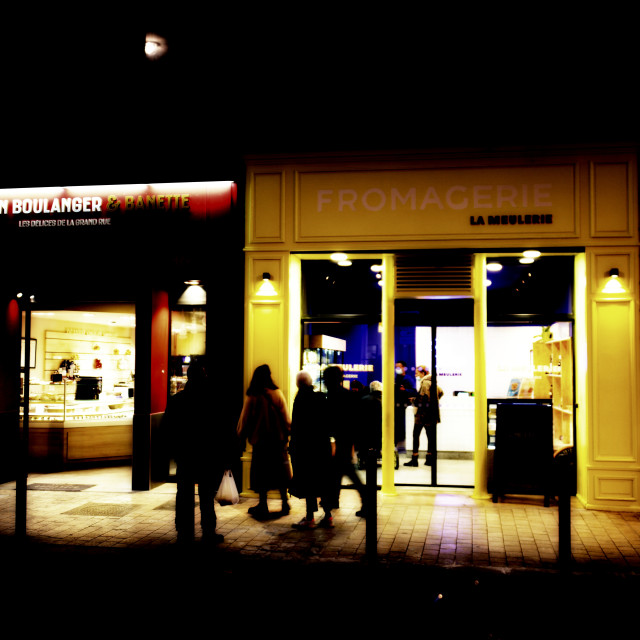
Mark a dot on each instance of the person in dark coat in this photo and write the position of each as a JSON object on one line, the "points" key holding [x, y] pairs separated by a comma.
{"points": [[310, 450], [342, 416], [202, 453], [427, 417], [371, 422], [403, 392], [265, 424]]}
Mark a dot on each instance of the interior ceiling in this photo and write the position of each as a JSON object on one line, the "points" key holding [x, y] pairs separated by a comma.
{"points": [[107, 315], [543, 289]]}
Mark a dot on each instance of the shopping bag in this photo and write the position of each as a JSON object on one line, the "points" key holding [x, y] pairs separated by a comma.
{"points": [[227, 492]]}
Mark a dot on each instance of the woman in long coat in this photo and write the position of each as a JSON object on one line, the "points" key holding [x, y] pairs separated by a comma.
{"points": [[311, 454], [265, 424]]}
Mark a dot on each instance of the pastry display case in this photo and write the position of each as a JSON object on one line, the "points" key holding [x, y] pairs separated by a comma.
{"points": [[64, 428]]}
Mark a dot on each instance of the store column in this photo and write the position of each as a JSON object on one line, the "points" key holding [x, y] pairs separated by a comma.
{"points": [[10, 330], [266, 326], [608, 437], [152, 358]]}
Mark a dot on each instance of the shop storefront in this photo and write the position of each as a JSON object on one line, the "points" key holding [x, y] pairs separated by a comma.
{"points": [[102, 316], [552, 339]]}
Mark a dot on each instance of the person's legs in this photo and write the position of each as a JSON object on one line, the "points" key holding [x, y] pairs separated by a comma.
{"points": [[208, 520], [431, 443], [417, 430], [284, 495], [185, 506]]}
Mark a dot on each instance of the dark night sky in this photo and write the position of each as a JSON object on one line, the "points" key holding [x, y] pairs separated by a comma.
{"points": [[81, 104]]}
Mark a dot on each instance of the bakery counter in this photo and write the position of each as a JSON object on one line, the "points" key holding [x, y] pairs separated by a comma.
{"points": [[63, 430]]}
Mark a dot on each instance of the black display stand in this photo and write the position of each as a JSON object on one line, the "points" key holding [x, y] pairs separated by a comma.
{"points": [[523, 459]]}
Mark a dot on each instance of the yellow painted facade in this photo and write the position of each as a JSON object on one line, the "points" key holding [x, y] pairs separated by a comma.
{"points": [[579, 201]]}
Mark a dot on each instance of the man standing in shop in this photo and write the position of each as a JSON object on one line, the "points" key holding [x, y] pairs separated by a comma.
{"points": [[404, 391]]}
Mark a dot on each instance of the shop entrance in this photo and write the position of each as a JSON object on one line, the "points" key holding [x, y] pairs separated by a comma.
{"points": [[434, 350], [80, 388]]}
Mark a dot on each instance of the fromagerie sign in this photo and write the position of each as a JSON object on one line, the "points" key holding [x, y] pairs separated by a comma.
{"points": [[438, 203], [98, 206]]}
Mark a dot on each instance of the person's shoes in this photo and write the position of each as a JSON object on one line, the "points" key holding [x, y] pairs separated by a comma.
{"points": [[305, 524], [285, 509], [361, 514], [326, 522], [428, 460], [413, 462], [259, 511], [213, 538]]}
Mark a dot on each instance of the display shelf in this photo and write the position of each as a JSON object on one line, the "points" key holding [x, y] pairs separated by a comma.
{"points": [[553, 378]]}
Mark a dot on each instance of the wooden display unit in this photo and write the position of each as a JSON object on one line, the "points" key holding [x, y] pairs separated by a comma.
{"points": [[553, 379]]}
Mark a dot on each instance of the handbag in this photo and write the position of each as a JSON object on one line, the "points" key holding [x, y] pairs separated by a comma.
{"points": [[227, 491]]}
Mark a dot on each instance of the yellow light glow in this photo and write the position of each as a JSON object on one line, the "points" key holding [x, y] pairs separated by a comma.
{"points": [[531, 253], [338, 257], [266, 288], [613, 285], [194, 294], [377, 267], [494, 266], [526, 260], [345, 263]]}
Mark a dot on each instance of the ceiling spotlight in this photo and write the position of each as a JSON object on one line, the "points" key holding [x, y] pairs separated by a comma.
{"points": [[339, 257], [376, 267], [345, 263], [526, 260], [531, 253], [494, 266]]}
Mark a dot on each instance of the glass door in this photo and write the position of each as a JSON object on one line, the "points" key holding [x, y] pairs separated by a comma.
{"points": [[439, 429]]}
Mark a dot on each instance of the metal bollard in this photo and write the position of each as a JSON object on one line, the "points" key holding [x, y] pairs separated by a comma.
{"points": [[371, 505], [563, 464]]}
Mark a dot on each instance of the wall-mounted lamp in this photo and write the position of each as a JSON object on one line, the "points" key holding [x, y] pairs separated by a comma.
{"points": [[194, 294], [613, 284], [266, 288]]}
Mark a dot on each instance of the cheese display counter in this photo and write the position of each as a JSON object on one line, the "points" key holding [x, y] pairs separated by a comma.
{"points": [[74, 422]]}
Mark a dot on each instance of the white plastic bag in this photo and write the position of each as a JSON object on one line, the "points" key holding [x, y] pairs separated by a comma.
{"points": [[227, 492]]}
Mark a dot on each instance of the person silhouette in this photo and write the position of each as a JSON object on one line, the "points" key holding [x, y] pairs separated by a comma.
{"points": [[265, 424], [342, 417], [201, 453], [311, 454]]}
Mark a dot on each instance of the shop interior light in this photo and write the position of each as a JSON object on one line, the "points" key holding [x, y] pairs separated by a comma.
{"points": [[377, 268], [339, 257], [487, 283], [531, 253], [345, 263], [266, 288], [613, 284], [494, 266], [526, 261]]}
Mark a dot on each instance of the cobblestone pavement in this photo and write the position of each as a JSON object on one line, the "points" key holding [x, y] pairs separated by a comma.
{"points": [[417, 526], [447, 566]]}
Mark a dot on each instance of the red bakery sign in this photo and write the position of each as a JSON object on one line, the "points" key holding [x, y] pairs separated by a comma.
{"points": [[99, 205]]}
